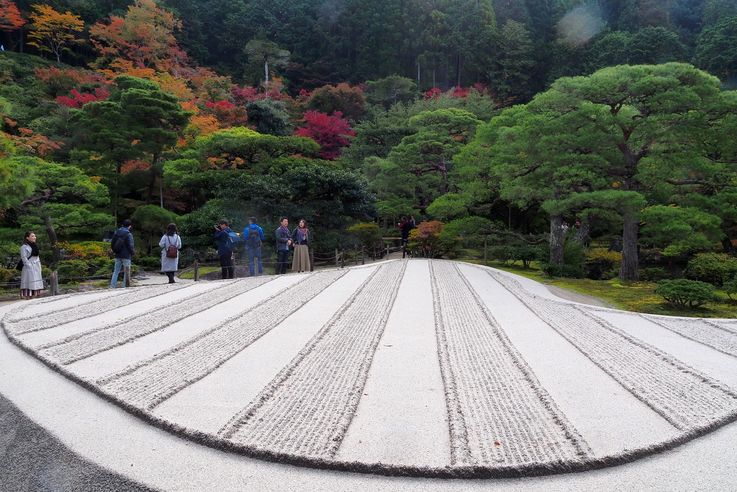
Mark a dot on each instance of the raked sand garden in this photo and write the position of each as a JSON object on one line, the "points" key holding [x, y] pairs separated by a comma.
{"points": [[422, 368]]}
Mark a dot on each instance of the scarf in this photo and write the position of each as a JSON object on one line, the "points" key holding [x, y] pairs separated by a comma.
{"points": [[34, 248], [302, 233]]}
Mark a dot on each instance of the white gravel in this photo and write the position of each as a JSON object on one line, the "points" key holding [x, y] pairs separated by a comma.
{"points": [[499, 378], [611, 417], [207, 404], [402, 417]]}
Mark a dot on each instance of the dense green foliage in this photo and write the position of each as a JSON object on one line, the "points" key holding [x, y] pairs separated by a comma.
{"points": [[594, 137], [685, 293]]}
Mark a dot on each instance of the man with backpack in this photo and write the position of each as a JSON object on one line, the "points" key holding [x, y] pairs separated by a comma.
{"points": [[226, 240], [122, 246], [254, 237]]}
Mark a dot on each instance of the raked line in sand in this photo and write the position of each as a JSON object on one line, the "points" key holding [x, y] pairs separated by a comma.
{"points": [[502, 420]]}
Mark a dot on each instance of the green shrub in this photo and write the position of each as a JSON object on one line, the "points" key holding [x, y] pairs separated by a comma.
{"points": [[685, 293], [602, 264], [501, 253], [72, 270], [564, 270], [654, 274], [367, 234], [85, 250], [714, 268], [8, 275], [149, 262], [525, 253], [730, 287]]}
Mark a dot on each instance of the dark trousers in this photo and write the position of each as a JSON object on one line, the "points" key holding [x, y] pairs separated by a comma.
{"points": [[404, 247], [171, 276], [282, 260], [226, 265]]}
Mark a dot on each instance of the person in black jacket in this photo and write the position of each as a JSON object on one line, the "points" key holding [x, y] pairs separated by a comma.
{"points": [[283, 242], [122, 246], [224, 239]]}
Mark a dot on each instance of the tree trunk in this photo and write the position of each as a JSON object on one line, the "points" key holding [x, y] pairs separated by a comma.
{"points": [[557, 239], [628, 270], [458, 71], [54, 241], [583, 233], [266, 72]]}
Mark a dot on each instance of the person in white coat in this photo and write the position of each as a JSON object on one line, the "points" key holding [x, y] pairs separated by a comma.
{"points": [[170, 245], [31, 281]]}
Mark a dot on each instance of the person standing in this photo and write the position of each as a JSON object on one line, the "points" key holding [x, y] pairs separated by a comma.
{"points": [[253, 235], [283, 242], [170, 245], [122, 246], [224, 240], [405, 226], [31, 281], [300, 238]]}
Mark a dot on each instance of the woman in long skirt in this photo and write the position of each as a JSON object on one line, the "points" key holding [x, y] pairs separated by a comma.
{"points": [[300, 239], [170, 245], [31, 281]]}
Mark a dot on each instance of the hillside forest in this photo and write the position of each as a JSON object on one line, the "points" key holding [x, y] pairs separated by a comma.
{"points": [[594, 138]]}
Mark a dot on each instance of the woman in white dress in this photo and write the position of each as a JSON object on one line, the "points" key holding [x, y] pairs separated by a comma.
{"points": [[31, 282], [170, 245]]}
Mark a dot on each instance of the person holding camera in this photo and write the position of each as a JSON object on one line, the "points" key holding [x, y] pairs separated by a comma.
{"points": [[226, 244]]}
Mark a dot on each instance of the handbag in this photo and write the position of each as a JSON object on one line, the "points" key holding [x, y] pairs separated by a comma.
{"points": [[171, 250], [19, 266]]}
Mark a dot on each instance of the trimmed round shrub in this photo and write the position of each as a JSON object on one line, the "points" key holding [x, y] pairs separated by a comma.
{"points": [[684, 293], [714, 268]]}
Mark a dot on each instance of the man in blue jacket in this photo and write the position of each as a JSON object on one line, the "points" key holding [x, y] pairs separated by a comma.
{"points": [[253, 235], [226, 244], [122, 246], [283, 242]]}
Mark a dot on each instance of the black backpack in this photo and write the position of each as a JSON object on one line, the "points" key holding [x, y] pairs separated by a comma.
{"points": [[254, 238], [118, 243]]}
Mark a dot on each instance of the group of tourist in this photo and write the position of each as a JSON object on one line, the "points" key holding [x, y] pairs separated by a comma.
{"points": [[253, 237], [122, 246]]}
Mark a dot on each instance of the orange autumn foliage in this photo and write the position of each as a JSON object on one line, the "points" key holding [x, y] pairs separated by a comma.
{"points": [[10, 18], [145, 37], [53, 32]]}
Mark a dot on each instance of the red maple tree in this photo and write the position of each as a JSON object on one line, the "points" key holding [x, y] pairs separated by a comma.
{"points": [[331, 132], [77, 99]]}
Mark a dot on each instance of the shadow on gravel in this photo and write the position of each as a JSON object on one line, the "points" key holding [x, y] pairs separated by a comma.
{"points": [[33, 460]]}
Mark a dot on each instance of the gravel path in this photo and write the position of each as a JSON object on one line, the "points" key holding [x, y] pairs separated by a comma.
{"points": [[150, 382], [342, 369], [685, 397], [308, 407], [83, 345], [714, 335], [67, 314], [499, 414]]}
